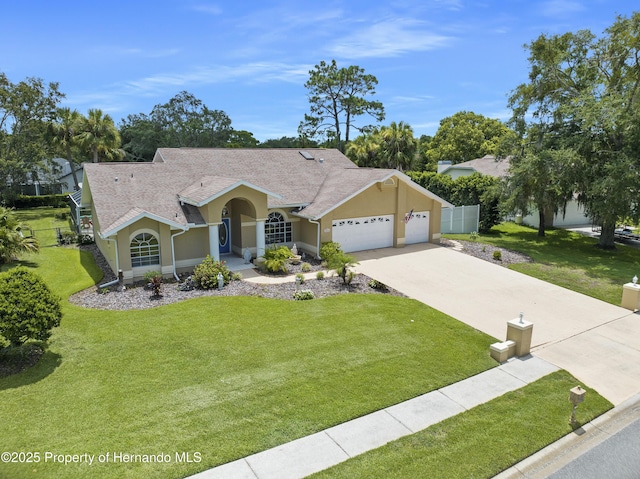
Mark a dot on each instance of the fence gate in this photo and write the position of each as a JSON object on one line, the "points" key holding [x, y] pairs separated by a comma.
{"points": [[460, 219]]}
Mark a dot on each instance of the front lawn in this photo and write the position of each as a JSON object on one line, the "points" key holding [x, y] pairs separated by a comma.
{"points": [[567, 259], [222, 377]]}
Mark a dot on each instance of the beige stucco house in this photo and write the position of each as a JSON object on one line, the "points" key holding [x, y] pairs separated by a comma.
{"points": [[168, 215]]}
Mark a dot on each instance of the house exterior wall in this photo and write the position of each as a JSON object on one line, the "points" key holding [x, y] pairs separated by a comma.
{"points": [[384, 199], [191, 248]]}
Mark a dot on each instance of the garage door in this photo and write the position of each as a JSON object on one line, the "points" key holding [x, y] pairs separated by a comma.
{"points": [[357, 234], [416, 229]]}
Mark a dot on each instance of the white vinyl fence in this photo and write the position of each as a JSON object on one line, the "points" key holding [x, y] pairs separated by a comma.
{"points": [[460, 219]]}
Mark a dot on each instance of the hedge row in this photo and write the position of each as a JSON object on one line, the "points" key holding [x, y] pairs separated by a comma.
{"points": [[24, 201]]}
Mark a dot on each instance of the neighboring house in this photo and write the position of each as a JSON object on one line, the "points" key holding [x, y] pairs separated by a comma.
{"points": [[487, 165], [55, 180], [168, 215], [499, 168]]}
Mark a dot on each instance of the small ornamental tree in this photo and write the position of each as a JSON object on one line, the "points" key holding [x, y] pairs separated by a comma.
{"points": [[338, 260], [28, 308]]}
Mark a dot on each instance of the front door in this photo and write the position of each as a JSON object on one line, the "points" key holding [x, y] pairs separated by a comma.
{"points": [[224, 236]]}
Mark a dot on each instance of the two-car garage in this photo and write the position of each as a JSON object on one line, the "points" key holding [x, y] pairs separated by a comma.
{"points": [[371, 232]]}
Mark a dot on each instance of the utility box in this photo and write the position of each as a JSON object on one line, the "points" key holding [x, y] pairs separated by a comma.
{"points": [[521, 332]]}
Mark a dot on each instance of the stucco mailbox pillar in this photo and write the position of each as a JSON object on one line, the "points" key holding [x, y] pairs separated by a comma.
{"points": [[631, 296], [520, 331]]}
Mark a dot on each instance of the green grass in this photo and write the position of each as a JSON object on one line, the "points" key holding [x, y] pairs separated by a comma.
{"points": [[225, 377], [44, 224], [568, 259], [481, 442]]}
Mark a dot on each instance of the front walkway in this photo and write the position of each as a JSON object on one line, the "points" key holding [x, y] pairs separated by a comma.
{"points": [[307, 455]]}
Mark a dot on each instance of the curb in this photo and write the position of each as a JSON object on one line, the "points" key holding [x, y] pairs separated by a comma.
{"points": [[569, 448]]}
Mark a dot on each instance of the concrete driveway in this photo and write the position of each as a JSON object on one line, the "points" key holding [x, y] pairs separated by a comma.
{"points": [[597, 342]]}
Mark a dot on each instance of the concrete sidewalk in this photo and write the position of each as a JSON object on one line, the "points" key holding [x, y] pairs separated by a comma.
{"points": [[327, 448]]}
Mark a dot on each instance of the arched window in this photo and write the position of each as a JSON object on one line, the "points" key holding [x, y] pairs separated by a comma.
{"points": [[145, 250], [277, 230]]}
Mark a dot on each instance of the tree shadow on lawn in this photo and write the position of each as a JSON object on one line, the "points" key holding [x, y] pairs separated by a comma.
{"points": [[48, 363], [9, 266]]}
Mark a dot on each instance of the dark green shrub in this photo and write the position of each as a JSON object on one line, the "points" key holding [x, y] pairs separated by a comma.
{"points": [[320, 275], [275, 259], [149, 275], [28, 308], [497, 255], [55, 201], [206, 273], [339, 261], [375, 284]]}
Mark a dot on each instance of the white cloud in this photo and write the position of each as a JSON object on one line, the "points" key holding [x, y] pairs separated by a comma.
{"points": [[554, 8], [390, 38], [209, 9]]}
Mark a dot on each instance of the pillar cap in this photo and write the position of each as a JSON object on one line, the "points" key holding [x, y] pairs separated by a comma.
{"points": [[515, 323]]}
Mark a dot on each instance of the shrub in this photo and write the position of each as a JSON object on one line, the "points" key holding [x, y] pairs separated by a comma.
{"points": [[497, 255], [341, 263], [67, 237], [236, 276], [473, 236], [149, 275], [305, 267], [375, 284], [330, 249], [300, 278], [206, 273], [303, 294], [275, 259], [320, 275], [28, 308]]}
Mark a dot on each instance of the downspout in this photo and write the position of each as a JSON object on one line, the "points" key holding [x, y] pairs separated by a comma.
{"points": [[318, 240], [115, 281], [173, 253]]}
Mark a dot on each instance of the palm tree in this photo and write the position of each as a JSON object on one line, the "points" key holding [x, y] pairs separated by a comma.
{"points": [[12, 241], [398, 145], [64, 136], [100, 136], [364, 150]]}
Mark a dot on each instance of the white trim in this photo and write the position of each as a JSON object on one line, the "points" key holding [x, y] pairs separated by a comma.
{"points": [[225, 191], [401, 176], [138, 217]]}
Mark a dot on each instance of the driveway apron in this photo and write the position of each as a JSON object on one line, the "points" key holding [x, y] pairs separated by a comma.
{"points": [[597, 342]]}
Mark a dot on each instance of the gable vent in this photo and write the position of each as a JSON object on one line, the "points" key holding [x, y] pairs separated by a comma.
{"points": [[306, 155]]}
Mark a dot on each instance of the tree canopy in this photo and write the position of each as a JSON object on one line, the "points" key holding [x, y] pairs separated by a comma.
{"points": [[466, 136], [583, 92], [184, 121], [392, 146], [26, 108], [337, 96]]}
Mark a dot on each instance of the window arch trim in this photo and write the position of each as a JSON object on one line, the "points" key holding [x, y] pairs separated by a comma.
{"points": [[144, 248]]}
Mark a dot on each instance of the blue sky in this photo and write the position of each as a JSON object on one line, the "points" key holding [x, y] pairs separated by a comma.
{"points": [[432, 58]]}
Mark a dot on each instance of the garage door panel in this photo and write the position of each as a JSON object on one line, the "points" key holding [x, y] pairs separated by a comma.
{"points": [[416, 230], [358, 234]]}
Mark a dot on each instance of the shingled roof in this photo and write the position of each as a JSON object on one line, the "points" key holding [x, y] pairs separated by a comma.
{"points": [[314, 182], [487, 165]]}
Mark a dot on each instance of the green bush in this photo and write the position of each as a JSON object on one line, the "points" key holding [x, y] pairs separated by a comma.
{"points": [[275, 259], [55, 201], [375, 284], [149, 275], [236, 276], [497, 255], [206, 273], [305, 267], [303, 294], [473, 236], [320, 275], [300, 278], [28, 308], [329, 249]]}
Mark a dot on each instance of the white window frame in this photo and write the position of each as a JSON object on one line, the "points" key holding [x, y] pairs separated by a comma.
{"points": [[152, 256], [278, 232]]}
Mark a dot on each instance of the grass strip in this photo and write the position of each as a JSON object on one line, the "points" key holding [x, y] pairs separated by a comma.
{"points": [[483, 441]]}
